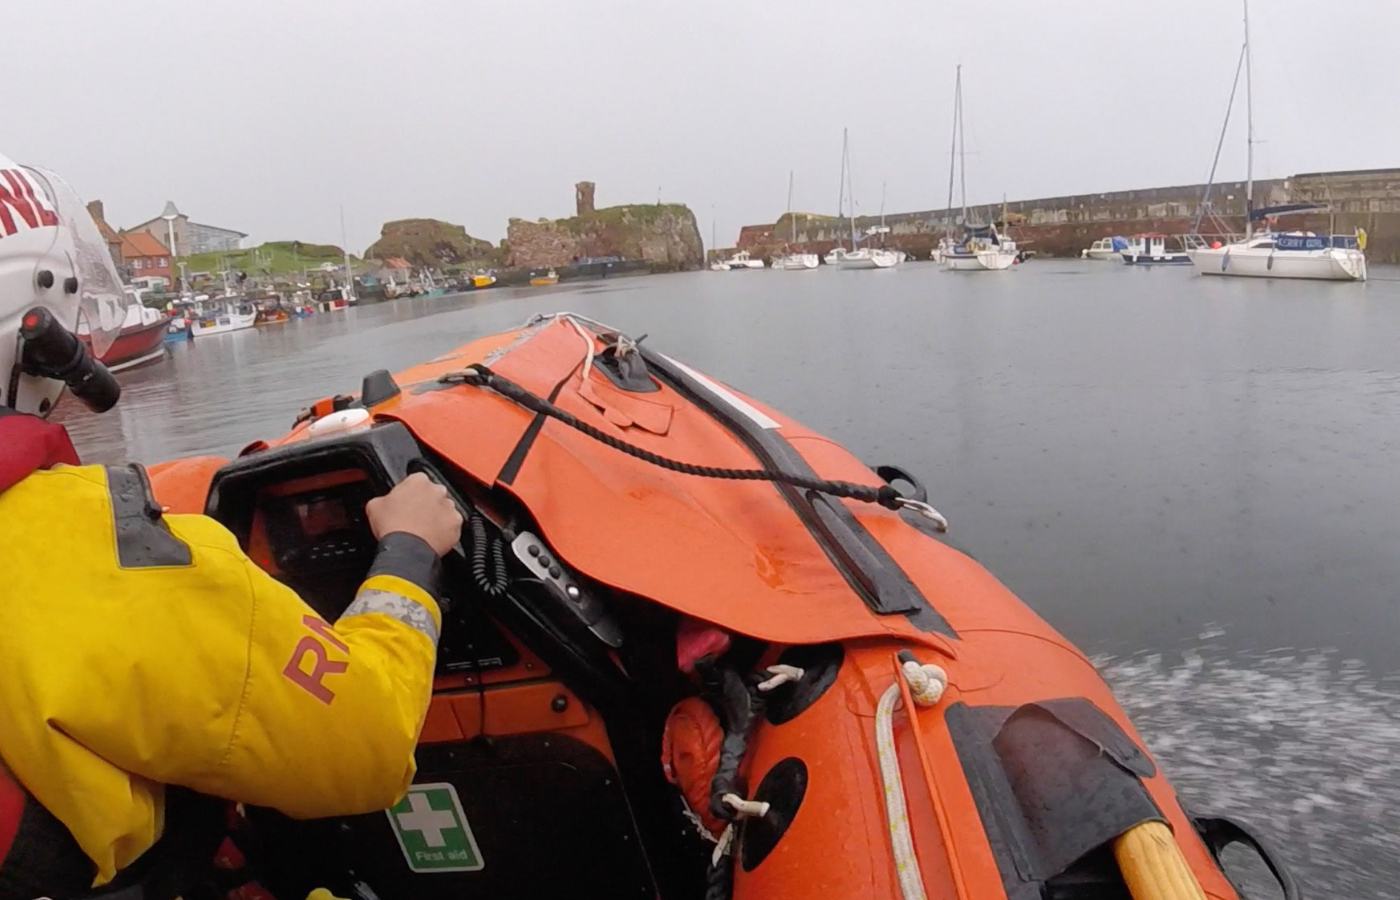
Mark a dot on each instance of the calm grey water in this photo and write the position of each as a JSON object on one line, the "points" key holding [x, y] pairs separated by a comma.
{"points": [[1193, 478]]}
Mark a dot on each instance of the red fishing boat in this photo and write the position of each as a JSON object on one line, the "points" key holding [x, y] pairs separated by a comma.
{"points": [[141, 341]]}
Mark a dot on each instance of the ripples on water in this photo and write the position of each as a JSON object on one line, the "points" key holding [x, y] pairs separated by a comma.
{"points": [[1135, 452], [1301, 745]]}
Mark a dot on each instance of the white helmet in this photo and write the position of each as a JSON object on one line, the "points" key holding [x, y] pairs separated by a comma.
{"points": [[51, 256]]}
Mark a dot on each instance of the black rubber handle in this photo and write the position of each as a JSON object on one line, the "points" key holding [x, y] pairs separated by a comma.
{"points": [[52, 351]]}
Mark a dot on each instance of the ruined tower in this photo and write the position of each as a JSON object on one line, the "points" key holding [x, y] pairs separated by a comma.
{"points": [[583, 197]]}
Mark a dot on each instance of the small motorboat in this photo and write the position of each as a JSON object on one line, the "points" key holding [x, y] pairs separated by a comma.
{"points": [[719, 266], [1152, 250], [273, 316], [796, 262], [482, 280], [544, 279], [1105, 249], [222, 316], [178, 330], [742, 260], [140, 341], [693, 648]]}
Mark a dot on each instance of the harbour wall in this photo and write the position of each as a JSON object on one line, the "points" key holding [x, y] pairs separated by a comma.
{"points": [[1062, 226]]}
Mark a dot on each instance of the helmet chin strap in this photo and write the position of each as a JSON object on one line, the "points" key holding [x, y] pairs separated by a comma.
{"points": [[12, 389]]}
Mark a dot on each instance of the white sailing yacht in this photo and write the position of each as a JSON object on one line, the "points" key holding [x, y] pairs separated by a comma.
{"points": [[981, 248], [792, 261], [859, 257], [1268, 253]]}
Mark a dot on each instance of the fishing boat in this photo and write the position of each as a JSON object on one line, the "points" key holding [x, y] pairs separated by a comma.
{"points": [[221, 316], [1271, 254], [336, 299], [1153, 250], [140, 341], [980, 248], [1109, 248], [544, 279], [791, 260], [692, 648], [743, 260]]}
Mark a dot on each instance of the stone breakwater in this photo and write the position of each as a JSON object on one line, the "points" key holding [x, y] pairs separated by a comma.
{"points": [[1062, 226]]}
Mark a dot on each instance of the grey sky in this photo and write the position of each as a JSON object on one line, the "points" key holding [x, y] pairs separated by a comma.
{"points": [[265, 115]]}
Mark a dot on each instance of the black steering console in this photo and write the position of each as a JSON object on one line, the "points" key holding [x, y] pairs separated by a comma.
{"points": [[298, 511]]}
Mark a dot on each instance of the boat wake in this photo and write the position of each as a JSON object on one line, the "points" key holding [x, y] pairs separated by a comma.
{"points": [[1300, 745]]}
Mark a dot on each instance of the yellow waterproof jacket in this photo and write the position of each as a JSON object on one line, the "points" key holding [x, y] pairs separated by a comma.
{"points": [[138, 651]]}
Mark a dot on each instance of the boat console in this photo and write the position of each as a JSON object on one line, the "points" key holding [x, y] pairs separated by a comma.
{"points": [[299, 513]]}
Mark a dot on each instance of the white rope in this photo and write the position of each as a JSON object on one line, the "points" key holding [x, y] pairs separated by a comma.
{"points": [[782, 674], [726, 840], [926, 684], [743, 809], [587, 342]]}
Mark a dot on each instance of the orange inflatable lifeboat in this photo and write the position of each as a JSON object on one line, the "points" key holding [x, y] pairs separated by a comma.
{"points": [[695, 649]]}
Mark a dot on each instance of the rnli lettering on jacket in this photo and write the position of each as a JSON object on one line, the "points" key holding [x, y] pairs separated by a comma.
{"points": [[141, 650]]}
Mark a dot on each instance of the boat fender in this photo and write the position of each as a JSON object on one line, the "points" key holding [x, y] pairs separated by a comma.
{"points": [[690, 743]]}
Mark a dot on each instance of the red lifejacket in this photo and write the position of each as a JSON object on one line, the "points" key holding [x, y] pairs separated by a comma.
{"points": [[28, 443]]}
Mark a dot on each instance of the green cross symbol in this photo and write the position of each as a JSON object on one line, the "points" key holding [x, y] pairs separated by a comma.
{"points": [[433, 832]]}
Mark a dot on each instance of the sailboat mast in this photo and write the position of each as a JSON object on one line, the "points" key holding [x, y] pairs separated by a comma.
{"points": [[850, 188], [953, 150], [841, 201], [1249, 140], [962, 150], [791, 217]]}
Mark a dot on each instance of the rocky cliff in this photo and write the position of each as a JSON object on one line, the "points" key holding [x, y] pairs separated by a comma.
{"points": [[664, 235], [429, 242]]}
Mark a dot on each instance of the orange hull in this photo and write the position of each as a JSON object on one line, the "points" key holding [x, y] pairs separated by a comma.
{"points": [[982, 767]]}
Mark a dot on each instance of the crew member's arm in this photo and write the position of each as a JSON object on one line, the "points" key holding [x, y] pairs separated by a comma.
{"points": [[330, 714]]}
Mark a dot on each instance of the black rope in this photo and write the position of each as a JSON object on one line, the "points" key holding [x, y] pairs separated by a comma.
{"points": [[480, 374], [490, 575]]}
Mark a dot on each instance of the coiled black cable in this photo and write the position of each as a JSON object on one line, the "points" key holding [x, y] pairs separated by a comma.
{"points": [[488, 557]]}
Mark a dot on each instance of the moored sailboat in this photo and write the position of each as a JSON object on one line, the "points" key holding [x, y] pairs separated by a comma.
{"points": [[1270, 253]]}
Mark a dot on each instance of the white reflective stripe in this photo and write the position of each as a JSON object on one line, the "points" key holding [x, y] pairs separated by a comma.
{"points": [[396, 606], [737, 403]]}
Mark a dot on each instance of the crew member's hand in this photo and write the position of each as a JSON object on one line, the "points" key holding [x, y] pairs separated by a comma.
{"points": [[418, 506]]}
